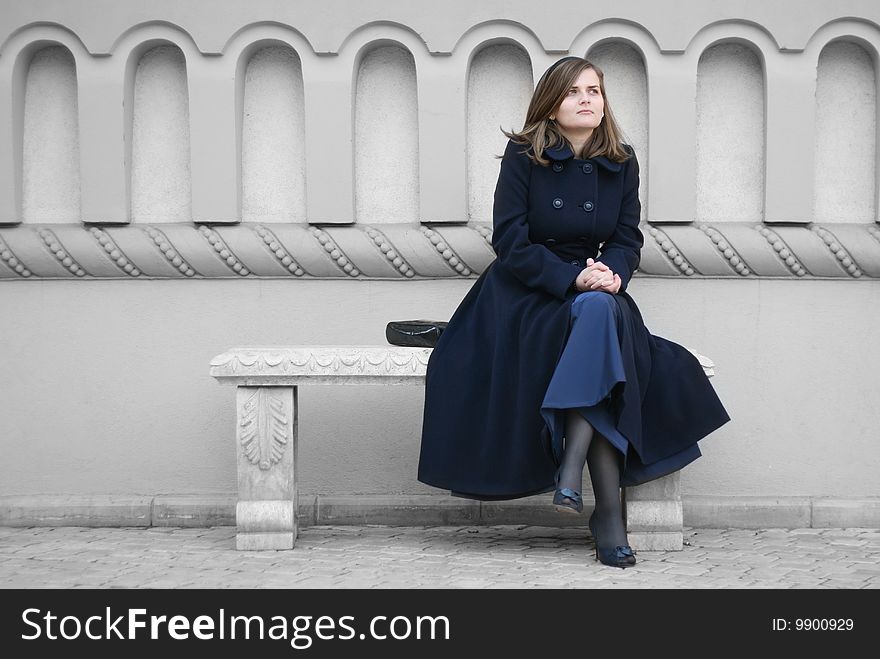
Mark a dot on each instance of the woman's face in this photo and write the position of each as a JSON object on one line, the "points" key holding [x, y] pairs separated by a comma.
{"points": [[582, 109]]}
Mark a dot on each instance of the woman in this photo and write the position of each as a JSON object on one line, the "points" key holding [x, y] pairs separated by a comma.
{"points": [[546, 364]]}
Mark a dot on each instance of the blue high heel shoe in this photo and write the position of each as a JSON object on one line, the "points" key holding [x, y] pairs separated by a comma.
{"points": [[620, 556], [567, 500]]}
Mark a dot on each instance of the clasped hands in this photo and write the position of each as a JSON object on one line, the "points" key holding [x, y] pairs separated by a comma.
{"points": [[597, 277]]}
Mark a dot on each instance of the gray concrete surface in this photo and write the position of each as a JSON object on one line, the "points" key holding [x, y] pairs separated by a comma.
{"points": [[432, 557]]}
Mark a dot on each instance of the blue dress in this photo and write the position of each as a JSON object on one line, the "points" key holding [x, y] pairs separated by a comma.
{"points": [[592, 370]]}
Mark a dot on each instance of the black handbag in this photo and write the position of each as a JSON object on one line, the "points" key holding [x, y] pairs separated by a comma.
{"points": [[414, 333]]}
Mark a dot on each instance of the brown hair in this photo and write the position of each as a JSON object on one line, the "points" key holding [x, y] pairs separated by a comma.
{"points": [[540, 132]]}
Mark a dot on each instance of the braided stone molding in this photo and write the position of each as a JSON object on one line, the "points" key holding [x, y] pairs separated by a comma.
{"points": [[334, 252], [390, 253], [724, 248], [408, 251], [448, 255], [486, 232], [223, 251], [839, 252], [784, 252], [11, 261], [169, 252], [779, 246], [670, 250], [278, 250], [113, 251], [57, 249]]}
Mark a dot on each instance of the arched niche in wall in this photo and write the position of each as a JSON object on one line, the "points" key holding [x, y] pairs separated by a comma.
{"points": [[273, 137], [386, 136], [160, 152], [499, 86], [50, 152], [626, 88], [845, 138], [730, 134]]}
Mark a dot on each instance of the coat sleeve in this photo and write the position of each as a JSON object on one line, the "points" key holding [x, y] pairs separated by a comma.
{"points": [[621, 252], [532, 263]]}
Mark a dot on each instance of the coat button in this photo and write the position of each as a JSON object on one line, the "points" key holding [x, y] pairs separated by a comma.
{"points": [[575, 263], [550, 242], [557, 203], [588, 167], [557, 166], [588, 206]]}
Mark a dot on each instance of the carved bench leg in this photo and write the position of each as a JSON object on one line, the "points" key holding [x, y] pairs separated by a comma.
{"points": [[266, 439], [653, 514]]}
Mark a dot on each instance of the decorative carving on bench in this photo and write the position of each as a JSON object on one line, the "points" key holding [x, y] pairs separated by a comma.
{"points": [[409, 251], [331, 361], [263, 428]]}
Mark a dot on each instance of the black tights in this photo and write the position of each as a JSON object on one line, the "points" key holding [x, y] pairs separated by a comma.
{"points": [[584, 445]]}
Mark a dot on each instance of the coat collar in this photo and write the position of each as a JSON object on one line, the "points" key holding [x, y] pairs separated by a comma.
{"points": [[564, 152]]}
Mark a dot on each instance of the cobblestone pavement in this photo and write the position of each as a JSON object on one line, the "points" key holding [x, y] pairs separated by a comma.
{"points": [[431, 557]]}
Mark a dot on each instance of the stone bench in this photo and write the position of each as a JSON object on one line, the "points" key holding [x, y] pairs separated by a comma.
{"points": [[266, 436]]}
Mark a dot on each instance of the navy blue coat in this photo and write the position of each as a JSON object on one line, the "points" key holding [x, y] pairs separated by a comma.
{"points": [[483, 434]]}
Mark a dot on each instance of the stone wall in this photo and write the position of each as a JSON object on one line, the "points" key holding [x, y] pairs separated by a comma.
{"points": [[179, 178]]}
